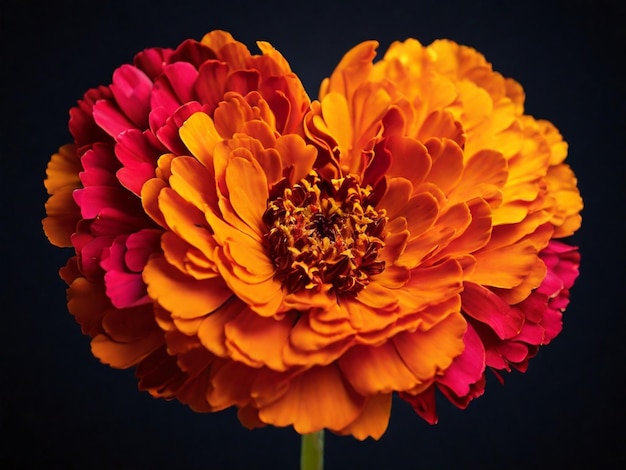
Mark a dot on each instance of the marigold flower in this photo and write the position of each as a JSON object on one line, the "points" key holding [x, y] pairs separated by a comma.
{"points": [[242, 246], [502, 190]]}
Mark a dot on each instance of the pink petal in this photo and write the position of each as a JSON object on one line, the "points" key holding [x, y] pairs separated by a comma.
{"points": [[131, 89], [140, 246], [125, 289], [82, 125], [182, 77], [114, 221], [93, 199], [468, 368], [151, 61], [193, 52], [110, 118], [423, 404], [486, 307], [168, 134], [100, 166]]}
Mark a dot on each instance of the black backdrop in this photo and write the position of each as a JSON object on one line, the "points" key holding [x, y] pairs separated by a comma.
{"points": [[62, 409]]}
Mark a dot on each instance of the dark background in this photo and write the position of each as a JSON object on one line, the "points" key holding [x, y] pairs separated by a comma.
{"points": [[62, 409]]}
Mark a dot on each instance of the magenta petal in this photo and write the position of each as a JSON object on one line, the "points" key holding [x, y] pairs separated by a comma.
{"points": [[552, 324], [82, 125], [513, 351], [131, 89], [93, 199], [138, 152], [423, 404], [169, 136], [151, 61], [468, 368], [134, 178], [99, 165], [134, 146], [113, 256], [193, 52], [113, 221], [90, 254], [110, 118], [163, 97], [486, 307], [125, 289], [139, 247], [182, 77], [157, 118]]}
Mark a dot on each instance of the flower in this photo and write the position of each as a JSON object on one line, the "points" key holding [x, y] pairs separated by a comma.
{"points": [[502, 190], [240, 245]]}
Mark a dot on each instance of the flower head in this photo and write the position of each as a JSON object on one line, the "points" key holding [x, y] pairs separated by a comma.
{"points": [[302, 261]]}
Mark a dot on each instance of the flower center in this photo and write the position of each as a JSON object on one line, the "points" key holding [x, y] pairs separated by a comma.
{"points": [[324, 232]]}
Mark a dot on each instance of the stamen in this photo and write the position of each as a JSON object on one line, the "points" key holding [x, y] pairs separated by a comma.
{"points": [[324, 232]]}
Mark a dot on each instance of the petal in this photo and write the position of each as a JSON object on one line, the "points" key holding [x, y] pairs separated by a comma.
{"points": [[468, 368], [485, 306], [257, 340], [124, 355], [200, 136], [168, 286], [248, 190], [211, 331], [316, 399], [428, 353], [373, 370], [373, 421], [131, 89], [506, 266]]}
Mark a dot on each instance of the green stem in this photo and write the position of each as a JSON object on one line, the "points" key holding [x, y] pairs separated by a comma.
{"points": [[312, 451]]}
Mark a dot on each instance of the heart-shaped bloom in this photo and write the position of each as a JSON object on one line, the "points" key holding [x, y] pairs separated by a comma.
{"points": [[241, 246]]}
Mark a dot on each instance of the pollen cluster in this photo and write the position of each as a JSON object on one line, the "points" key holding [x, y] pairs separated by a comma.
{"points": [[324, 232]]}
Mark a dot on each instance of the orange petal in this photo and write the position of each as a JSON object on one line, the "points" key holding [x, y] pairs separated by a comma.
{"points": [[62, 217], [193, 182], [186, 221], [316, 399], [211, 331], [397, 195], [63, 169], [168, 286], [124, 355], [337, 117], [372, 370], [410, 159], [200, 136], [373, 421], [150, 199], [429, 286], [447, 165], [351, 71], [258, 341], [297, 154], [506, 266], [428, 353], [484, 174], [231, 383], [247, 186], [420, 213]]}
